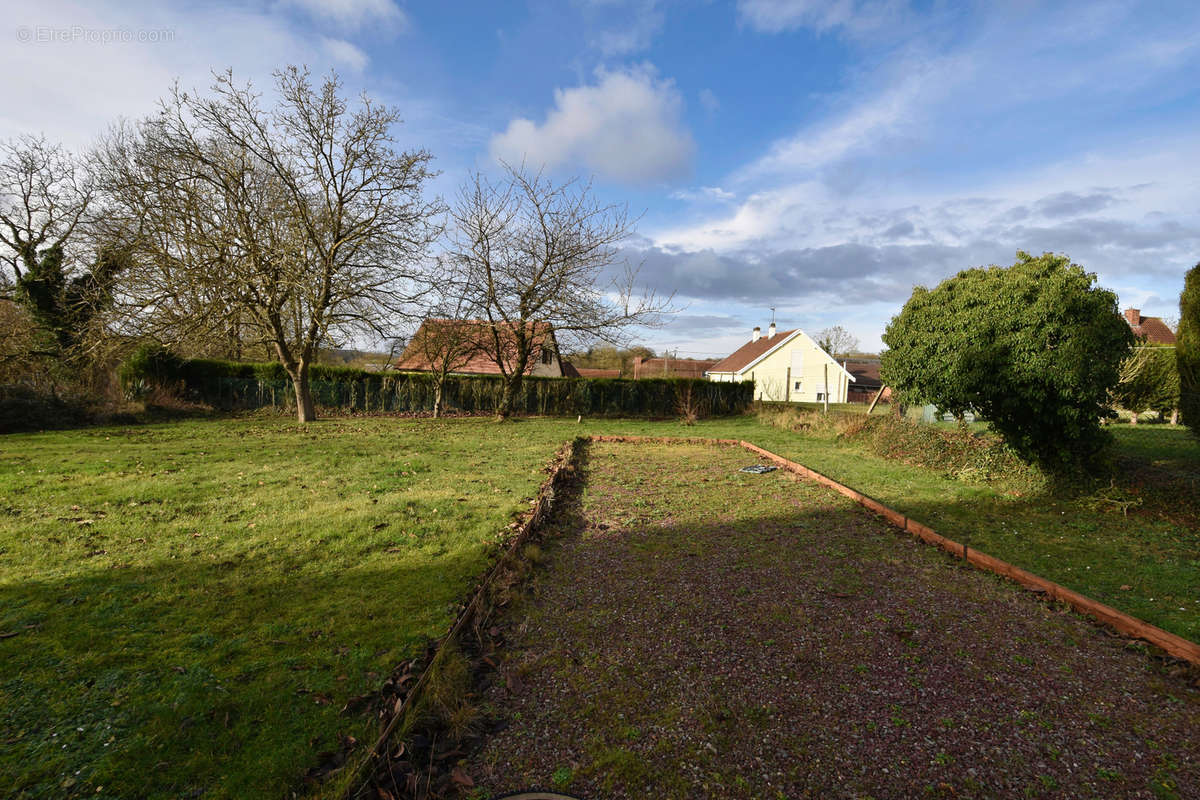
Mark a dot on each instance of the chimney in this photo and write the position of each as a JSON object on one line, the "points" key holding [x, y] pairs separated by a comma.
{"points": [[771, 331], [1133, 316], [754, 337]]}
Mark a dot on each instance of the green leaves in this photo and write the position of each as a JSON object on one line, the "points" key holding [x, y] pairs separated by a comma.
{"points": [[1187, 350], [1034, 348]]}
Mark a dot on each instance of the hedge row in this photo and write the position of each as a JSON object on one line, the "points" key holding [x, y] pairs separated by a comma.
{"points": [[230, 385]]}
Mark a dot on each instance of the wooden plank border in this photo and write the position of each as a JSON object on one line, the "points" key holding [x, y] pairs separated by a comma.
{"points": [[1174, 645], [564, 464]]}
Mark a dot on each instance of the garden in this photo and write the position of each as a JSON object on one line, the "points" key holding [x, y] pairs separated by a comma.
{"points": [[208, 608]]}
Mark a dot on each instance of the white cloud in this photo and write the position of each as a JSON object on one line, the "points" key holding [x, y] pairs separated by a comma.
{"points": [[709, 101], [353, 14], [345, 53], [856, 16], [633, 34], [627, 127], [710, 193], [73, 90]]}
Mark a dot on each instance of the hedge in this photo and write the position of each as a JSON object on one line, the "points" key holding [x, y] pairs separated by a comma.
{"points": [[229, 385]]}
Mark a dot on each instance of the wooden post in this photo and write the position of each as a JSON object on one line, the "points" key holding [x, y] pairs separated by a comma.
{"points": [[826, 388], [878, 395], [787, 392]]}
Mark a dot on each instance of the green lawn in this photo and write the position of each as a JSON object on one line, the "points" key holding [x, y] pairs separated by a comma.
{"points": [[188, 606], [193, 603]]}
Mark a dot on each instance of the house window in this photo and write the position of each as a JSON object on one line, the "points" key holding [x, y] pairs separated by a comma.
{"points": [[547, 356], [820, 396], [797, 386]]}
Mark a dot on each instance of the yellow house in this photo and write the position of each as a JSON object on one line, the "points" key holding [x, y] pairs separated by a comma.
{"points": [[786, 367]]}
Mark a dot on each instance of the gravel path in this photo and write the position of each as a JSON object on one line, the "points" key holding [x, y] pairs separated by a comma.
{"points": [[709, 633]]}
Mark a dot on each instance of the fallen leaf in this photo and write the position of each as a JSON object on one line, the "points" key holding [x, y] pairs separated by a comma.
{"points": [[461, 778]]}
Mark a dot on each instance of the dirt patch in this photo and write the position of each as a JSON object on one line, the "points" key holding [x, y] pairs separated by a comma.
{"points": [[706, 632]]}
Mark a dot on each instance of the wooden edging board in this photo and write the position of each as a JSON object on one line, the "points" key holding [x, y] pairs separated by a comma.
{"points": [[1175, 646], [560, 467], [567, 457]]}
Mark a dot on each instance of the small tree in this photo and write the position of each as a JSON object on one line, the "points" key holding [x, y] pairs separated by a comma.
{"points": [[837, 341], [302, 222], [1149, 381], [1034, 348], [1187, 350], [540, 256]]}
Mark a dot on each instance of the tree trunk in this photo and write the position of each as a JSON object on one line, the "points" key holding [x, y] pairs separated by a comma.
{"points": [[305, 411], [1133, 415], [1175, 416], [506, 399], [437, 400]]}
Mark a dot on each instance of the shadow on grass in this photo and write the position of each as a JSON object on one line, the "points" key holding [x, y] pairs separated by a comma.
{"points": [[189, 680]]}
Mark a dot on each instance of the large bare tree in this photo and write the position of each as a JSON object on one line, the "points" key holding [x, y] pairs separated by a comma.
{"points": [[51, 262], [300, 222], [44, 200], [543, 254]]}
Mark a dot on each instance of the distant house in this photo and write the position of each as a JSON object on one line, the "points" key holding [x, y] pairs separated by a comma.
{"points": [[588, 372], [479, 353], [787, 366], [667, 367], [1151, 330], [867, 382]]}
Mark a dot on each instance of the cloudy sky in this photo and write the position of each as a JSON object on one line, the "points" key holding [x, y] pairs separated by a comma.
{"points": [[818, 158]]}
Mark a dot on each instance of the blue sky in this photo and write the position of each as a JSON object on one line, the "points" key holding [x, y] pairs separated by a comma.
{"points": [[820, 158]]}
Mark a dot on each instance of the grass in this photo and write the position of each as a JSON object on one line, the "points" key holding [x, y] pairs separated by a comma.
{"points": [[191, 604]]}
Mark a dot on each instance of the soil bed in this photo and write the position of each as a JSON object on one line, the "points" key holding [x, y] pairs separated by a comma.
{"points": [[706, 632]]}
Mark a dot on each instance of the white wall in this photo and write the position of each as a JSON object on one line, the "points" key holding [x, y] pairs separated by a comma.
{"points": [[774, 374]]}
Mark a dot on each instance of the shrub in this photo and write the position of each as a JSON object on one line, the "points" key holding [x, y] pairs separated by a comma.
{"points": [[1034, 348], [242, 386], [1187, 350]]}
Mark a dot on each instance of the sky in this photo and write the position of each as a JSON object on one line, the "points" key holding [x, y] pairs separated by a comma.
{"points": [[820, 159]]}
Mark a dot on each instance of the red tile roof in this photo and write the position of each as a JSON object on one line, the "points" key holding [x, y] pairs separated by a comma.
{"points": [[481, 360], [749, 352], [672, 367], [593, 372], [1150, 329]]}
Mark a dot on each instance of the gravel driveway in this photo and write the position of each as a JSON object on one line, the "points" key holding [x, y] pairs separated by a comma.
{"points": [[708, 633]]}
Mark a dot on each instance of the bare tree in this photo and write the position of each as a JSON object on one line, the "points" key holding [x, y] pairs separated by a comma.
{"points": [[542, 256], [300, 223], [52, 264], [837, 341], [44, 199]]}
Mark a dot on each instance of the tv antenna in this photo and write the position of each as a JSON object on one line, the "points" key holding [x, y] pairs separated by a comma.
{"points": [[772, 315]]}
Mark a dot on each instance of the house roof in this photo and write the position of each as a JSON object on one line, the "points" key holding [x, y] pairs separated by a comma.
{"points": [[593, 372], [1150, 329], [672, 367], [866, 374], [750, 352], [479, 358]]}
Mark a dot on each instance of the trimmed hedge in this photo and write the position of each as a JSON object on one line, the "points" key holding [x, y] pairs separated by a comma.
{"points": [[230, 385]]}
